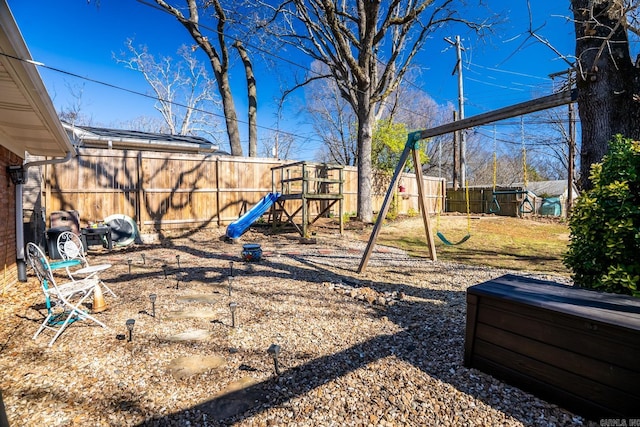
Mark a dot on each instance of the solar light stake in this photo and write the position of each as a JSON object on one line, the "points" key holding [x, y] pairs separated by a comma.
{"points": [[231, 278], [230, 268], [232, 307], [274, 351], [178, 259], [129, 262], [152, 298], [164, 270], [144, 261], [130, 323]]}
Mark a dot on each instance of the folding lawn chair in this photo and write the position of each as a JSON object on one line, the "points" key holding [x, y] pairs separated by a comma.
{"points": [[71, 248], [62, 301]]}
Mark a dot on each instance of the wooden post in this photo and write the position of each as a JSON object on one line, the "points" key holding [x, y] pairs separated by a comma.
{"points": [[409, 147], [139, 191], [341, 201], [217, 167], [305, 207], [423, 205], [572, 149], [456, 159]]}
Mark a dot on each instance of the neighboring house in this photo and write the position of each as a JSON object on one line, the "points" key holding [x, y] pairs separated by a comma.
{"points": [[99, 137], [28, 123], [88, 139]]}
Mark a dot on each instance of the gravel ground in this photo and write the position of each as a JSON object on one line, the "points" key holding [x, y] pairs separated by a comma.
{"points": [[381, 348]]}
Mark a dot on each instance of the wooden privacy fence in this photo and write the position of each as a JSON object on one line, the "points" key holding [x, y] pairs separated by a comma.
{"points": [[509, 200], [163, 191]]}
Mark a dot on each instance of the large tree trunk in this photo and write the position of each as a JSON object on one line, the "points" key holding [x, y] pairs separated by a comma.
{"points": [[253, 99], [606, 79], [219, 63], [365, 169], [230, 117]]}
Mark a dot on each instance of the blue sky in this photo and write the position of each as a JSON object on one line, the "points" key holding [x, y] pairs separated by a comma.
{"points": [[80, 38]]}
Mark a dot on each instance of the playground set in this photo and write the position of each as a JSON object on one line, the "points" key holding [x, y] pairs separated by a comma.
{"points": [[296, 188]]}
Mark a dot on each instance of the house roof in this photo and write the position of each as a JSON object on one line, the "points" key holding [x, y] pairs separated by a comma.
{"points": [[99, 137], [552, 188], [28, 119]]}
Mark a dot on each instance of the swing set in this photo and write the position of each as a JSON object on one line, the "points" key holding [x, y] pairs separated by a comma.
{"points": [[413, 144]]}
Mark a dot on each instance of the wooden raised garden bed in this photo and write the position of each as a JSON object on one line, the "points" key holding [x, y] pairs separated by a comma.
{"points": [[577, 348]]}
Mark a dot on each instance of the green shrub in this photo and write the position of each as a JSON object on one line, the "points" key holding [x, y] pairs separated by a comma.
{"points": [[605, 224]]}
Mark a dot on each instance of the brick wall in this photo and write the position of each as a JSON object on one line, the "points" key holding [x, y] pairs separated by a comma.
{"points": [[9, 271]]}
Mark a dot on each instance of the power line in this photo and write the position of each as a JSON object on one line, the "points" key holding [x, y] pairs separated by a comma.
{"points": [[515, 73], [135, 92], [272, 54]]}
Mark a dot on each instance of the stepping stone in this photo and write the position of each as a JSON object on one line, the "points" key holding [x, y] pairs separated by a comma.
{"points": [[187, 366], [190, 314], [195, 335], [206, 298]]}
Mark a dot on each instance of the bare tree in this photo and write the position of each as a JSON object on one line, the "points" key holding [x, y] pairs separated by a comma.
{"points": [[218, 57], [278, 145], [182, 88], [367, 48], [253, 98], [608, 80], [142, 124], [550, 141], [417, 110], [333, 120], [74, 113]]}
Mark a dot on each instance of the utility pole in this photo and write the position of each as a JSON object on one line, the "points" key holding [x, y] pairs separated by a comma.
{"points": [[572, 149], [456, 161], [568, 85], [462, 138]]}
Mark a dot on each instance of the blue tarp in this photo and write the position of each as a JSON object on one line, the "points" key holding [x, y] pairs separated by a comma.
{"points": [[239, 226]]}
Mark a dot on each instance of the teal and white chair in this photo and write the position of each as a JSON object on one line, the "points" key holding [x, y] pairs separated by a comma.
{"points": [[63, 302], [71, 249]]}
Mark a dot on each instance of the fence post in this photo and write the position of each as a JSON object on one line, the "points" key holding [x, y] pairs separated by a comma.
{"points": [[139, 195]]}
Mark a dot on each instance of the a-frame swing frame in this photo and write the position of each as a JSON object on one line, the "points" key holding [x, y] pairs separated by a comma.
{"points": [[411, 147], [413, 144]]}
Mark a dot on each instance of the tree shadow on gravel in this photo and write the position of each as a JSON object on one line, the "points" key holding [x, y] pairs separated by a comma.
{"points": [[431, 339]]}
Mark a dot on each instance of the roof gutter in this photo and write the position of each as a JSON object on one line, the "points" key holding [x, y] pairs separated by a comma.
{"points": [[147, 144]]}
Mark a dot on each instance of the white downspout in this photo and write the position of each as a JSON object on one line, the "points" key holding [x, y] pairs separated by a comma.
{"points": [[22, 267], [20, 257]]}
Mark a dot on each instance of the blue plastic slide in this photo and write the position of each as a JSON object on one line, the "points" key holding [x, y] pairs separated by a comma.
{"points": [[239, 226]]}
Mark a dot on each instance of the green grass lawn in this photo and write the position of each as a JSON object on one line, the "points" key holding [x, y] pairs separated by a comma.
{"points": [[502, 242]]}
